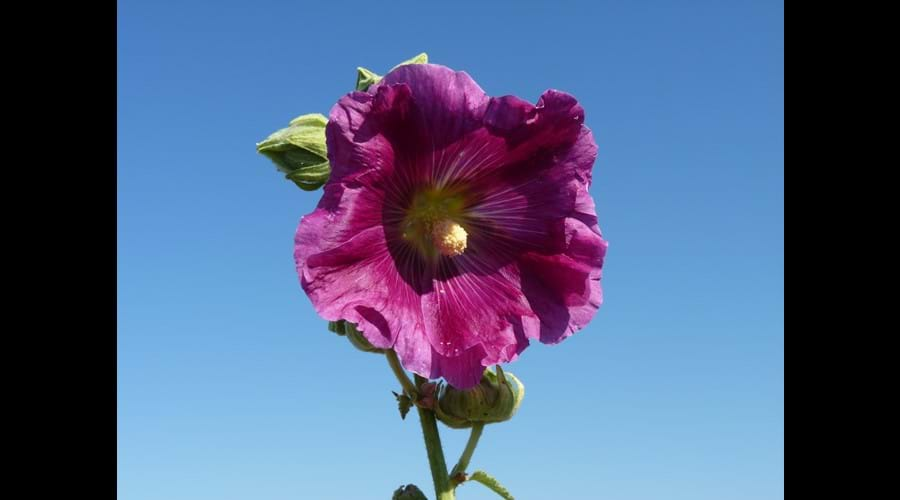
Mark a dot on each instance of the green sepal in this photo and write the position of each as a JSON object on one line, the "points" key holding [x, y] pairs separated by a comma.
{"points": [[366, 78], [419, 59], [337, 327]]}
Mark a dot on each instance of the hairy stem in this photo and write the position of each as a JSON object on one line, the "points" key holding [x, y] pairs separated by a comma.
{"points": [[442, 487], [407, 384], [466, 456]]}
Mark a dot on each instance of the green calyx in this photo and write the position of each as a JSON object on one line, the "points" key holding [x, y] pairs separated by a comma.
{"points": [[347, 329], [495, 399], [366, 78], [300, 151]]}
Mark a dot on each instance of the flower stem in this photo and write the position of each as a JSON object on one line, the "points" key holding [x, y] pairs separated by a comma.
{"points": [[466, 456], [394, 361], [442, 487]]}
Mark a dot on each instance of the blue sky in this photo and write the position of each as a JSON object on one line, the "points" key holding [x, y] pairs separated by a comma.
{"points": [[230, 387]]}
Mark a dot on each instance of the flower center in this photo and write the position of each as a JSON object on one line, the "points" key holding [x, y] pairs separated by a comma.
{"points": [[449, 238], [433, 223]]}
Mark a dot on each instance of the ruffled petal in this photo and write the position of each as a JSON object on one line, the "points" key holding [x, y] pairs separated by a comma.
{"points": [[523, 204], [564, 289], [446, 104], [356, 281], [355, 145], [442, 131]]}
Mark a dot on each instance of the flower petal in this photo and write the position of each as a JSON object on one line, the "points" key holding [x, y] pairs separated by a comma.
{"points": [[524, 204], [443, 126], [345, 264], [564, 289], [472, 297], [447, 104], [462, 371], [355, 145]]}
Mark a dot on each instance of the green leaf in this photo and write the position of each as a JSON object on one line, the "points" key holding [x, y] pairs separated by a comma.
{"points": [[404, 403], [489, 481]]}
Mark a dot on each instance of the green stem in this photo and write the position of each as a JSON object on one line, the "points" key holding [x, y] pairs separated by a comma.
{"points": [[442, 487], [394, 361], [466, 456]]}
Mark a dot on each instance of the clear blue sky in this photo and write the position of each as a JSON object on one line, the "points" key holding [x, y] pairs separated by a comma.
{"points": [[229, 386]]}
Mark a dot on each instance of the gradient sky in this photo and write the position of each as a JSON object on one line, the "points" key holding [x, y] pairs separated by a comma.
{"points": [[229, 385]]}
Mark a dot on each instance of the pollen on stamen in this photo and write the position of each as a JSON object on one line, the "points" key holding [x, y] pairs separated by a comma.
{"points": [[449, 238]]}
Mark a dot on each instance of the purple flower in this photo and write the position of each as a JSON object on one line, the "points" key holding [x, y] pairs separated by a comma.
{"points": [[455, 226]]}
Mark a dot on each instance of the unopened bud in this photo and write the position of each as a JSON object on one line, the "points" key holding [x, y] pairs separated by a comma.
{"points": [[409, 492], [300, 151], [495, 399]]}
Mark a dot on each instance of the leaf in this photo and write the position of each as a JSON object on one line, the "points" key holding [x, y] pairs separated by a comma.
{"points": [[492, 483], [404, 403]]}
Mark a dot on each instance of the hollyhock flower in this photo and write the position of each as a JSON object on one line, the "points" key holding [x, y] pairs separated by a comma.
{"points": [[455, 227]]}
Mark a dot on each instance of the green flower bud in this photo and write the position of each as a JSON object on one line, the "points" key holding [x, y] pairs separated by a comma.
{"points": [[366, 78], [300, 151], [495, 399], [409, 492], [347, 329]]}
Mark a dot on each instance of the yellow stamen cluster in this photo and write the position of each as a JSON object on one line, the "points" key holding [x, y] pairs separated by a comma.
{"points": [[449, 238]]}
